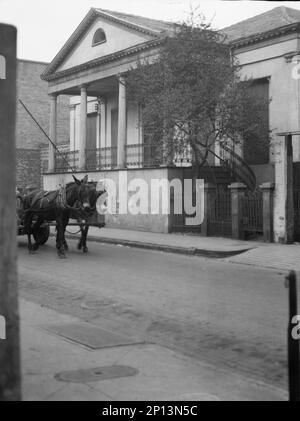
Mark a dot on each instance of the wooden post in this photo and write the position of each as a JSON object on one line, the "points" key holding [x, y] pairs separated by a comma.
{"points": [[293, 343], [237, 193], [267, 192], [9, 348]]}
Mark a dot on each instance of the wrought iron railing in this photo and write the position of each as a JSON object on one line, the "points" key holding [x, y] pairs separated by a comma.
{"points": [[184, 158], [101, 158], [66, 161], [144, 155], [238, 167]]}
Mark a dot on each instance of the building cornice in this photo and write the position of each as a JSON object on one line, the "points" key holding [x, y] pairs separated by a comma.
{"points": [[274, 33], [105, 59]]}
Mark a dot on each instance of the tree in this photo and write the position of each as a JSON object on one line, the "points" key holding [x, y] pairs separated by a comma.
{"points": [[191, 95]]}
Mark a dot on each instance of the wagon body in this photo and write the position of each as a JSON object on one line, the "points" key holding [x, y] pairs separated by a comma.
{"points": [[41, 237]]}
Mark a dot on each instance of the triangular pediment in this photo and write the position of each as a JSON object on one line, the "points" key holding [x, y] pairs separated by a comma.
{"points": [[121, 32], [117, 39]]}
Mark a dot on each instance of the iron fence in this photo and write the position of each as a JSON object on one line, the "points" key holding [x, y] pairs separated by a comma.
{"points": [[252, 210], [144, 155], [66, 161], [219, 218], [101, 158]]}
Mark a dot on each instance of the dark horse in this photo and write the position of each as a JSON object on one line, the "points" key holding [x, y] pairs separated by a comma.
{"points": [[83, 214], [56, 206]]}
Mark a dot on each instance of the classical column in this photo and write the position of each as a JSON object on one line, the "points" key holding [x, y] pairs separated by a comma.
{"points": [[122, 124], [83, 126], [52, 132], [72, 127], [102, 123]]}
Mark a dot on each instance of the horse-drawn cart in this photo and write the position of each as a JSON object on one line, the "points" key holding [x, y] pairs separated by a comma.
{"points": [[41, 236]]}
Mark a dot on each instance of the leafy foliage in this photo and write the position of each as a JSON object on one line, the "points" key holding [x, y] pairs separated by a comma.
{"points": [[191, 94]]}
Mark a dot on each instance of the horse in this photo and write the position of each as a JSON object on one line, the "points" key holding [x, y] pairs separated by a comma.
{"points": [[54, 206], [83, 214]]}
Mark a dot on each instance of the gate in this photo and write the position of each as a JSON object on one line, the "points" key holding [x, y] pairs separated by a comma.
{"points": [[252, 209], [179, 220], [219, 218]]}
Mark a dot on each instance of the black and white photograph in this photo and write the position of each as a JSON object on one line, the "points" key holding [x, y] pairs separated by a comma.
{"points": [[149, 203]]}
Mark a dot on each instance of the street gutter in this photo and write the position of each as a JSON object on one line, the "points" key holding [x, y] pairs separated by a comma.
{"points": [[190, 251]]}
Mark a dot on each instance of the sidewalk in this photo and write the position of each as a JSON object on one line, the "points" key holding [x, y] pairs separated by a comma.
{"points": [[173, 243], [156, 373], [273, 256]]}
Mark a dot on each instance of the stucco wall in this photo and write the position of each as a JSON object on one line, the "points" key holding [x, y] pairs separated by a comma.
{"points": [[284, 90], [147, 222]]}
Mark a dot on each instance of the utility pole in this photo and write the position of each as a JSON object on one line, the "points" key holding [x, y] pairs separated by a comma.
{"points": [[10, 389]]}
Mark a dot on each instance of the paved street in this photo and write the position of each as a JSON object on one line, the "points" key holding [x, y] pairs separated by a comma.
{"points": [[222, 313]]}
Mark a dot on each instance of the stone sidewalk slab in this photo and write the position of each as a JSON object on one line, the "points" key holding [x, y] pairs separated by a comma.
{"points": [[274, 256], [162, 374]]}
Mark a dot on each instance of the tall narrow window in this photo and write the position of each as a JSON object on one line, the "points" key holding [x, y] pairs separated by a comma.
{"points": [[99, 37], [2, 67]]}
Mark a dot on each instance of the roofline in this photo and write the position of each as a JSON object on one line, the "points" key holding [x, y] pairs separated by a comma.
{"points": [[105, 59], [32, 61], [80, 30], [273, 33], [139, 27]]}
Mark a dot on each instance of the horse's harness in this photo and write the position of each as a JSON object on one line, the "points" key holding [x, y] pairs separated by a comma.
{"points": [[45, 200]]}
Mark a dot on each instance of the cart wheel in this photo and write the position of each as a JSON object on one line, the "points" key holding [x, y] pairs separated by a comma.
{"points": [[42, 235]]}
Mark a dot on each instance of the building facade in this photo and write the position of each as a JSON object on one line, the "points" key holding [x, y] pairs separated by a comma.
{"points": [[106, 135]]}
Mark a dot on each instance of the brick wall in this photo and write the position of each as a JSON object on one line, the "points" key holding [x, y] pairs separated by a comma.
{"points": [[28, 167], [29, 139], [34, 93]]}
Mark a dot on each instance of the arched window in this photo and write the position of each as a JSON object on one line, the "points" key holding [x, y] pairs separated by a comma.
{"points": [[2, 67], [99, 37]]}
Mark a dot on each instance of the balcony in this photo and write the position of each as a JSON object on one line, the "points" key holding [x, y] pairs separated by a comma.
{"points": [[139, 155]]}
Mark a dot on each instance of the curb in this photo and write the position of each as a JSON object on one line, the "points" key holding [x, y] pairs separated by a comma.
{"points": [[191, 251]]}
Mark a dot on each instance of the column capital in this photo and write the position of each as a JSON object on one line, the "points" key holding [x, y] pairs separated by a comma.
{"points": [[121, 79], [292, 57], [53, 96], [101, 100], [83, 87]]}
